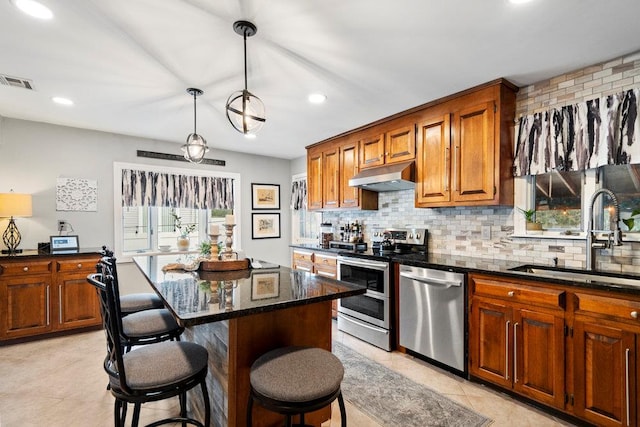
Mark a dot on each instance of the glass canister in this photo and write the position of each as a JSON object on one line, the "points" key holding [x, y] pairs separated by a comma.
{"points": [[326, 234]]}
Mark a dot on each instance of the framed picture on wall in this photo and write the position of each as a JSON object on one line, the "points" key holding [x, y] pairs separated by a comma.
{"points": [[265, 225], [265, 196], [265, 285]]}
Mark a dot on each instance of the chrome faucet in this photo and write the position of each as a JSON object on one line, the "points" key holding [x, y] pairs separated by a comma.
{"points": [[614, 236]]}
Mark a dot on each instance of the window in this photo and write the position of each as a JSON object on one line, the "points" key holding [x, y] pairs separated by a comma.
{"points": [[141, 227], [305, 225], [146, 228], [624, 181], [558, 200]]}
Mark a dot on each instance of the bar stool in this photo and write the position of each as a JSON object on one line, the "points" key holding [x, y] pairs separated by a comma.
{"points": [[152, 372], [130, 303], [296, 380], [141, 327]]}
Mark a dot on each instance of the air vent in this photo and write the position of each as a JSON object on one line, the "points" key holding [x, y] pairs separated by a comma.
{"points": [[16, 82]]}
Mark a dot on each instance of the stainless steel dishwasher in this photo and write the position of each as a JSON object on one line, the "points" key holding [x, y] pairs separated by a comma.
{"points": [[432, 315]]}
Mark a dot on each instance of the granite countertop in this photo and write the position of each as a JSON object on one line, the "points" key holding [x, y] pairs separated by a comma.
{"points": [[197, 297], [34, 253], [493, 266]]}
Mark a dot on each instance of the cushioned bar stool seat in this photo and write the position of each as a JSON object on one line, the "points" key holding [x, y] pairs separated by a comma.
{"points": [[132, 303], [296, 380]]}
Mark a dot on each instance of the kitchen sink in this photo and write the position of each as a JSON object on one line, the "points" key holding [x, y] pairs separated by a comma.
{"points": [[581, 276]]}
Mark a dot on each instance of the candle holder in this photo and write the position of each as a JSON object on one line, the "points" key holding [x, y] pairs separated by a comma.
{"points": [[213, 239], [227, 253]]}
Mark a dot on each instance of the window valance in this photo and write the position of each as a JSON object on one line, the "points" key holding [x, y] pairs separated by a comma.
{"points": [[299, 194], [582, 136], [147, 188]]}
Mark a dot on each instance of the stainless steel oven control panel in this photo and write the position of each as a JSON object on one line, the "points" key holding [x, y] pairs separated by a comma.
{"points": [[409, 236]]}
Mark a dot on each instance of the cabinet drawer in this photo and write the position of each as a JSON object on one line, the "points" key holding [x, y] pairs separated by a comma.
{"points": [[520, 293], [617, 307], [26, 267], [321, 259], [88, 264], [303, 256]]}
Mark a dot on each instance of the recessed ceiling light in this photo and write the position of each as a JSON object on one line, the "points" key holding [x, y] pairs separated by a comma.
{"points": [[62, 101], [34, 9], [250, 135], [317, 98]]}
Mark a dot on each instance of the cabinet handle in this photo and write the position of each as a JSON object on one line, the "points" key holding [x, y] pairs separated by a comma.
{"points": [[60, 304], [25, 268], [79, 265], [447, 162], [634, 314], [298, 267], [510, 293], [506, 351], [626, 379], [515, 352], [48, 318], [325, 274], [456, 166]]}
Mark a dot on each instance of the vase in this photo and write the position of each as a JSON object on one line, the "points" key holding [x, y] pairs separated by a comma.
{"points": [[183, 243]]}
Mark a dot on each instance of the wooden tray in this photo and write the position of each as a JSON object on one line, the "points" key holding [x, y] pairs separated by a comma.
{"points": [[241, 264]]}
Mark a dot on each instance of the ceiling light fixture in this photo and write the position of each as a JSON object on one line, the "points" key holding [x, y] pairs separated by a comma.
{"points": [[34, 9], [196, 146], [317, 98], [62, 101], [245, 111]]}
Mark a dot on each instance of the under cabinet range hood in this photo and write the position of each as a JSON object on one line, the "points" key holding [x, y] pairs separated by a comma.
{"points": [[393, 177]]}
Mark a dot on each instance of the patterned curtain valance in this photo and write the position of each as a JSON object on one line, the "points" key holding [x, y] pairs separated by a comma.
{"points": [[582, 136], [146, 188], [299, 194]]}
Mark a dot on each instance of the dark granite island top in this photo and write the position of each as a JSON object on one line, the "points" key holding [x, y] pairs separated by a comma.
{"points": [[197, 297], [240, 315]]}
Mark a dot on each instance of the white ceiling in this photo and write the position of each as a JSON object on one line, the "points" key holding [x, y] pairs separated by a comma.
{"points": [[127, 63]]}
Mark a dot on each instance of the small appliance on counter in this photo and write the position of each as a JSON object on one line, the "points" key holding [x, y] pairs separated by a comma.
{"points": [[326, 234], [349, 246]]}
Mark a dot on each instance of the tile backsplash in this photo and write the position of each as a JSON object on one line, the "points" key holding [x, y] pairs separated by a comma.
{"points": [[458, 232]]}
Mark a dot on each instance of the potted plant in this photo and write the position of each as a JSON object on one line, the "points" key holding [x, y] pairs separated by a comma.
{"points": [[184, 230], [631, 221], [530, 218]]}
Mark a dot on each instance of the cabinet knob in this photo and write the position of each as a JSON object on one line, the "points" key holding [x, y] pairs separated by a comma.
{"points": [[79, 265], [25, 268], [634, 314], [510, 293]]}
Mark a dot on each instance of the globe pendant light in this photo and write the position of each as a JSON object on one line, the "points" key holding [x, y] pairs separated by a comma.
{"points": [[245, 111], [196, 146]]}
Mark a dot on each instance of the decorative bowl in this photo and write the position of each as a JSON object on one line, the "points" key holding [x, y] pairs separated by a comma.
{"points": [[164, 248]]}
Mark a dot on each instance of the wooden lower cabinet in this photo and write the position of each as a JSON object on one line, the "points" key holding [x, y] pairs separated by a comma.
{"points": [[518, 346], [319, 263], [572, 349], [43, 295]]}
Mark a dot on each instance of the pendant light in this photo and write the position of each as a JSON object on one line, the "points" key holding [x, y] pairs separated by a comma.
{"points": [[196, 146], [245, 111]]}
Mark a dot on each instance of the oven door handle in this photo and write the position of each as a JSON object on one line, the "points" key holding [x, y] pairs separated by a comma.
{"points": [[364, 325], [375, 266], [432, 281]]}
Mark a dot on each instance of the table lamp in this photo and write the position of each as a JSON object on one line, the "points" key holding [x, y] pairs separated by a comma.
{"points": [[13, 205]]}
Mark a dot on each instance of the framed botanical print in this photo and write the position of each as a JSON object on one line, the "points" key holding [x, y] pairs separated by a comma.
{"points": [[265, 196], [265, 225]]}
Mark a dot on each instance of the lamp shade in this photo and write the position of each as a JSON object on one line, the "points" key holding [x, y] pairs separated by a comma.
{"points": [[15, 205]]}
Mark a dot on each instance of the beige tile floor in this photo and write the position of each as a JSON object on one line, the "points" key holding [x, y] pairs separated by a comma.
{"points": [[60, 382]]}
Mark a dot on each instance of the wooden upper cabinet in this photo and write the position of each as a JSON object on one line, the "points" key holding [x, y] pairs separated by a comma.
{"points": [[474, 165], [314, 178], [372, 151], [400, 144], [397, 145], [331, 180], [465, 150], [434, 156], [349, 196]]}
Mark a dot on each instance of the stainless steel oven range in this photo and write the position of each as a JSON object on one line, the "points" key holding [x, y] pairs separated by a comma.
{"points": [[366, 316]]}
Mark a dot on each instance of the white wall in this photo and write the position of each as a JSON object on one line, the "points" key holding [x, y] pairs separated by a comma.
{"points": [[33, 155]]}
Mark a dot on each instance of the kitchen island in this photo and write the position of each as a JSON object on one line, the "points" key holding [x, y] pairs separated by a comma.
{"points": [[238, 316]]}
